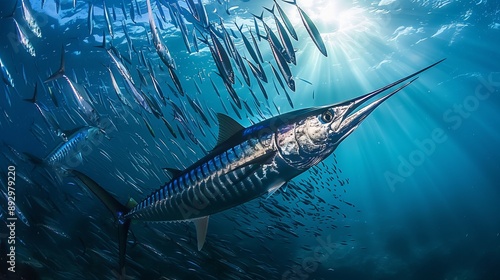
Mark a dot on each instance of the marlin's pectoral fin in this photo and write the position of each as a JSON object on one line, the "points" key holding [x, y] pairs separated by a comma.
{"points": [[79, 157], [201, 226]]}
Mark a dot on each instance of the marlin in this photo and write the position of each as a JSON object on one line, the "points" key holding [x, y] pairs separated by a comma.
{"points": [[246, 163]]}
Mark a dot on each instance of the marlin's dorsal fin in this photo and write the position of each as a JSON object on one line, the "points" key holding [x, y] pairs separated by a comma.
{"points": [[33, 99], [227, 127], [174, 172], [201, 225]]}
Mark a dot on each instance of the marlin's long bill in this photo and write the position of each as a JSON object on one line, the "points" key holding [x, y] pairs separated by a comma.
{"points": [[246, 163]]}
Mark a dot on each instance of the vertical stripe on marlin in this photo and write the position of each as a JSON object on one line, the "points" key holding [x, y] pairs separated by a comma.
{"points": [[167, 191], [256, 181], [199, 174]]}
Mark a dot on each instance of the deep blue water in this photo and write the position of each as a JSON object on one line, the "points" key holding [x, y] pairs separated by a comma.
{"points": [[413, 193]]}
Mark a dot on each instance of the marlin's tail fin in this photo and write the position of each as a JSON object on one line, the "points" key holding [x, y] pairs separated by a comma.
{"points": [[59, 73], [117, 209]]}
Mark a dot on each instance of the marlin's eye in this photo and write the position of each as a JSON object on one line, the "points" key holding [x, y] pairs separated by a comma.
{"points": [[327, 117]]}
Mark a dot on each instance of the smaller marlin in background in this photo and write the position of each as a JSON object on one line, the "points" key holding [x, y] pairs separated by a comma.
{"points": [[69, 153], [245, 164]]}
